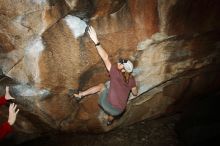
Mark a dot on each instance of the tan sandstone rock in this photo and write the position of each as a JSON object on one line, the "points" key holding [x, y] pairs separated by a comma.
{"points": [[44, 49]]}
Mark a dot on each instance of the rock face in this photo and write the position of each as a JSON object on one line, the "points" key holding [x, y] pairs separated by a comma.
{"points": [[45, 51]]}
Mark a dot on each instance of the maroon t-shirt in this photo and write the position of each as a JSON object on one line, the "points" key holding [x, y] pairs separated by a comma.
{"points": [[119, 90]]}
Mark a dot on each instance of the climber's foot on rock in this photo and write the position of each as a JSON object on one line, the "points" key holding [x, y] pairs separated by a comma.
{"points": [[78, 96], [108, 119], [74, 93]]}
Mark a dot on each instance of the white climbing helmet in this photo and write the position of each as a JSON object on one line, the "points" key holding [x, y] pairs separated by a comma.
{"points": [[128, 65]]}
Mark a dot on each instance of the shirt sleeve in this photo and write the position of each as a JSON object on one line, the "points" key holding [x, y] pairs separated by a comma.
{"points": [[2, 100], [5, 129]]}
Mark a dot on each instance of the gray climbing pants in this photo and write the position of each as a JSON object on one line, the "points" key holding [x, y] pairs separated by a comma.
{"points": [[103, 102]]}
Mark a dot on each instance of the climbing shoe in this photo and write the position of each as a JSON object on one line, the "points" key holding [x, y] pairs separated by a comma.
{"points": [[71, 93]]}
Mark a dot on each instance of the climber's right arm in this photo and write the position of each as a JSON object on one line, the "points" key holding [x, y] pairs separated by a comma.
{"points": [[100, 50]]}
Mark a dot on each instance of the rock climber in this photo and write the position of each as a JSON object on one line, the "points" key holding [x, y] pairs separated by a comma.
{"points": [[114, 93], [6, 127]]}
